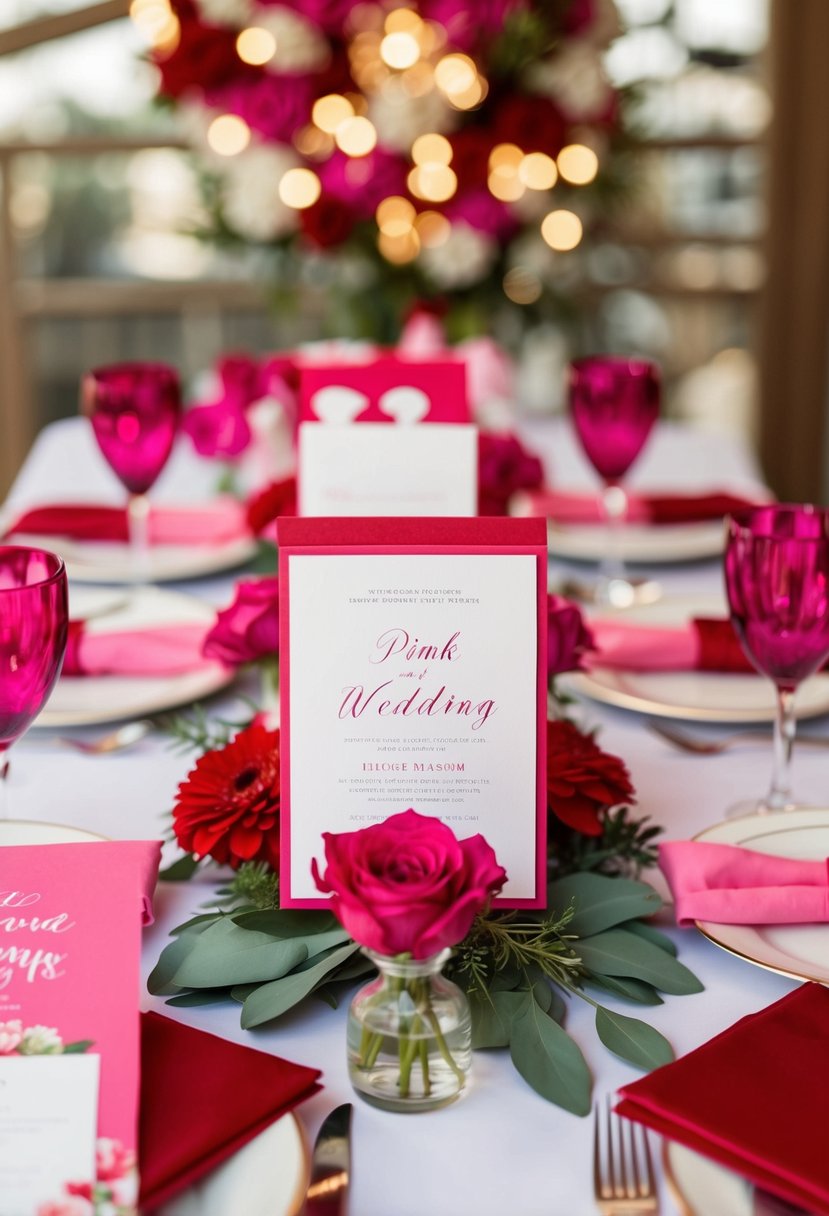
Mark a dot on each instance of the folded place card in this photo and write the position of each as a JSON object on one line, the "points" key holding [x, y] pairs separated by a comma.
{"points": [[373, 469], [387, 389], [70, 943], [414, 675]]}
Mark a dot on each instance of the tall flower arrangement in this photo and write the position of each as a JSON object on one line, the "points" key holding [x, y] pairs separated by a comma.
{"points": [[451, 149]]}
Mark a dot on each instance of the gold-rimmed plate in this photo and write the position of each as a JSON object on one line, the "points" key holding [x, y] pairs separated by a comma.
{"points": [[798, 951], [701, 1187]]}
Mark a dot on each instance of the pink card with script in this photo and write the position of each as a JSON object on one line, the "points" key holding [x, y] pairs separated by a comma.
{"points": [[414, 674], [388, 389], [70, 943]]}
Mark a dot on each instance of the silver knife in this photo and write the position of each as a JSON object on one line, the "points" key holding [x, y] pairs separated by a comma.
{"points": [[327, 1193]]}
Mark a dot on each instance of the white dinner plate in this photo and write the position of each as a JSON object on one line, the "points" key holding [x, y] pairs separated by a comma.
{"points": [[105, 562], [800, 951], [269, 1176], [702, 1187], [649, 544], [700, 696], [91, 700]]}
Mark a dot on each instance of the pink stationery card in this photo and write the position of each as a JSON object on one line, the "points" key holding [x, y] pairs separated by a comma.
{"points": [[388, 389], [70, 942], [413, 674]]}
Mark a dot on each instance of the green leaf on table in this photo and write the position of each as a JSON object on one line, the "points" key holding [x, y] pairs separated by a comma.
{"points": [[78, 1048], [601, 901], [286, 922], [549, 1060], [633, 1040], [202, 996], [241, 992], [626, 988], [653, 935], [506, 979], [197, 924], [558, 1006], [224, 954], [181, 870], [354, 970], [270, 1001], [160, 982], [619, 953], [492, 1017]]}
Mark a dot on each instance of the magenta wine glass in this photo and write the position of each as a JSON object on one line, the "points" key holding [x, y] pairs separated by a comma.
{"points": [[777, 582], [614, 403], [33, 628], [135, 410]]}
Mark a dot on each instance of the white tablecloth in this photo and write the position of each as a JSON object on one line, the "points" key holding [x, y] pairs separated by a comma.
{"points": [[502, 1148]]}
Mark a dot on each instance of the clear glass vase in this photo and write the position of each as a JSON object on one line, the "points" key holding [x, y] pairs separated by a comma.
{"points": [[409, 1035]]}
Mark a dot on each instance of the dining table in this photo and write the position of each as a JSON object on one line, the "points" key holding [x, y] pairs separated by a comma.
{"points": [[502, 1148]]}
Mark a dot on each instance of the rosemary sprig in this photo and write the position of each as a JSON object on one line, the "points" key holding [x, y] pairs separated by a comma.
{"points": [[511, 941]]}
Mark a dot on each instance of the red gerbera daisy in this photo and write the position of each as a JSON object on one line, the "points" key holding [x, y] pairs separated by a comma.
{"points": [[583, 782], [228, 807]]}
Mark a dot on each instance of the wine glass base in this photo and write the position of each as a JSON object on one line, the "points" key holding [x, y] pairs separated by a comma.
{"points": [[759, 806]]}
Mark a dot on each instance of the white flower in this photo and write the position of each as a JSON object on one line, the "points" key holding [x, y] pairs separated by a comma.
{"points": [[41, 1041], [464, 258], [250, 195], [11, 1034], [399, 118], [300, 46], [226, 12], [575, 78]]}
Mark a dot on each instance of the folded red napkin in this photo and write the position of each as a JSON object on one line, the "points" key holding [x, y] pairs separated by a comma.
{"points": [[163, 650], [701, 644], [213, 523], [755, 1098], [735, 886], [569, 507], [202, 1099]]}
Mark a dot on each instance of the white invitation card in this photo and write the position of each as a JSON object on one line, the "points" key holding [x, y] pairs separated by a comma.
{"points": [[414, 675]]}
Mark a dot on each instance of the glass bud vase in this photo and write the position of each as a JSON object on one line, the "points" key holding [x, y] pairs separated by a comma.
{"points": [[409, 1035]]}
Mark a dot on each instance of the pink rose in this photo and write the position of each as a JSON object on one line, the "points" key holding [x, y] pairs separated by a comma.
{"points": [[504, 467], [567, 636], [408, 885], [11, 1035], [74, 1206], [249, 629], [112, 1160], [220, 429]]}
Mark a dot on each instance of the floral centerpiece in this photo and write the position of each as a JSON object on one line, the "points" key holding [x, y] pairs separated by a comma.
{"points": [[517, 968], [403, 150]]}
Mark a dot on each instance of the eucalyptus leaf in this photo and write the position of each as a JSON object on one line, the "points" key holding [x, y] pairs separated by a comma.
{"points": [[558, 1006], [241, 992], [602, 901], [160, 982], [627, 988], [269, 1001], [619, 953], [507, 979], [492, 1018], [197, 924], [181, 870], [354, 970], [286, 922], [224, 954], [633, 1040], [653, 935], [202, 996], [78, 1048], [549, 1060]]}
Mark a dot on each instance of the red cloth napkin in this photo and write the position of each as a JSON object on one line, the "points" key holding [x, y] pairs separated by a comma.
{"points": [[569, 507], [211, 523], [735, 886], [163, 650], [755, 1098], [202, 1099]]}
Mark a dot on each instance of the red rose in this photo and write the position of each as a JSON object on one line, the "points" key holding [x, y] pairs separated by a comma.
{"points": [[205, 57], [583, 782], [408, 885], [228, 807], [471, 148], [278, 498], [249, 629], [329, 222], [504, 466], [534, 123], [567, 636]]}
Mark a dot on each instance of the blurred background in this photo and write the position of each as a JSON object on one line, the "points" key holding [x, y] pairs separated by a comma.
{"points": [[712, 255]]}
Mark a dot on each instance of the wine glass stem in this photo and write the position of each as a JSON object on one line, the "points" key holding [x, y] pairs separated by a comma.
{"points": [[615, 507], [780, 794], [5, 800], [138, 523]]}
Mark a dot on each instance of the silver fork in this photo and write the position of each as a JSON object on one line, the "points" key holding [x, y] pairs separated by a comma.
{"points": [[715, 747], [623, 1178]]}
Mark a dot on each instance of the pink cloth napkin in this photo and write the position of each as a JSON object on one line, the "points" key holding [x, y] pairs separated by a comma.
{"points": [[735, 886], [165, 650], [701, 644], [213, 523], [569, 507]]}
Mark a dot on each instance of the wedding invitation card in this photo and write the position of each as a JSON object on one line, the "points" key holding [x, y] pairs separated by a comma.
{"points": [[388, 389], [413, 674], [374, 469], [70, 942]]}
